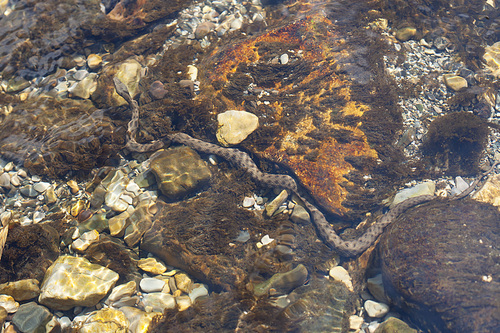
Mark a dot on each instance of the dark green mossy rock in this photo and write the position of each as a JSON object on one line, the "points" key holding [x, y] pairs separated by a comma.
{"points": [[454, 143]]}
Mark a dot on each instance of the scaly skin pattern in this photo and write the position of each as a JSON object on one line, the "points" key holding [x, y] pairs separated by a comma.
{"points": [[242, 160]]}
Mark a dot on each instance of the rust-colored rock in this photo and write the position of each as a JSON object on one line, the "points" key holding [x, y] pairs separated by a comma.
{"points": [[317, 112]]}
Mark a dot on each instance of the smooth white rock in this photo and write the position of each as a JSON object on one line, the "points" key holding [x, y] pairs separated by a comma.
{"points": [[9, 303], [339, 273], [150, 285], [266, 240], [41, 187], [284, 59], [355, 322], [248, 202], [376, 309], [198, 291]]}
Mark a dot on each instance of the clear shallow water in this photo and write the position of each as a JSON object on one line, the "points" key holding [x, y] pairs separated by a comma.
{"points": [[330, 113]]}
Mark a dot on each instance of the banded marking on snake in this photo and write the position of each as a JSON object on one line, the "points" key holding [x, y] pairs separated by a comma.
{"points": [[347, 248]]}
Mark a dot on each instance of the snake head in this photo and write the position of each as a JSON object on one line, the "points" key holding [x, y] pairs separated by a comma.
{"points": [[121, 89]]}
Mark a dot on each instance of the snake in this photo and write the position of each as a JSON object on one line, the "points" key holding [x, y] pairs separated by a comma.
{"points": [[346, 248]]}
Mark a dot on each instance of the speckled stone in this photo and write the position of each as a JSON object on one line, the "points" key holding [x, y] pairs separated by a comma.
{"points": [[179, 171], [105, 320], [21, 290], [74, 281]]}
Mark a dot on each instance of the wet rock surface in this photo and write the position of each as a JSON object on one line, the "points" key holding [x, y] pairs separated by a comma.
{"points": [[438, 264]]}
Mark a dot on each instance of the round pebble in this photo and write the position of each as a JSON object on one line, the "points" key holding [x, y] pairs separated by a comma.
{"points": [[376, 309], [151, 285], [248, 202]]}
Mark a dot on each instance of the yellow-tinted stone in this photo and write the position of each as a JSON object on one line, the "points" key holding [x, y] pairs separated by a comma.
{"points": [[405, 33], [151, 265], [490, 192], [74, 281], [77, 207], [492, 58], [105, 320], [183, 282], [455, 82], [140, 321], [73, 185], [21, 290], [118, 223], [183, 302], [94, 61], [123, 290]]}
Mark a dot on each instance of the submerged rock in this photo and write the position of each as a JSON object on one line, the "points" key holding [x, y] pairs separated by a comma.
{"points": [[179, 171], [437, 264], [235, 126], [74, 281]]}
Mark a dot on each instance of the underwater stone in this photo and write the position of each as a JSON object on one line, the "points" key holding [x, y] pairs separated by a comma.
{"points": [[436, 263], [300, 215], [31, 317], [490, 192], [150, 285], [234, 126], [339, 273], [273, 206], [129, 72], [492, 58], [74, 281], [179, 171], [455, 82], [138, 223], [140, 321], [405, 33], [282, 283], [376, 309], [151, 265], [183, 302], [394, 325], [9, 303], [118, 223], [105, 320], [21, 290], [84, 88], [123, 290], [159, 302], [426, 188], [94, 61]]}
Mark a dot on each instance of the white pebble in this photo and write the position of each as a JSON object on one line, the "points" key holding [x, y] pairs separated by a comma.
{"points": [[339, 273], [151, 285], [284, 59], [376, 309], [355, 322], [266, 240], [41, 187], [248, 202]]}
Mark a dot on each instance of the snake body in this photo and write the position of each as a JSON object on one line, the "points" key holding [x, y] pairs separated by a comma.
{"points": [[347, 248]]}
